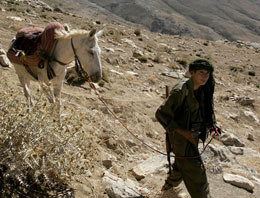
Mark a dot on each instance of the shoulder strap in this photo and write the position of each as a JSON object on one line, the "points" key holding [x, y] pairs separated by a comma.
{"points": [[185, 92]]}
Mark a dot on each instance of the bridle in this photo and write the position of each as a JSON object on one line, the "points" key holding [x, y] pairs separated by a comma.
{"points": [[79, 69]]}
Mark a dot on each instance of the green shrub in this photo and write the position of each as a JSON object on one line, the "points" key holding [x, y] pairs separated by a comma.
{"points": [[236, 69], [105, 76], [137, 32], [251, 73], [183, 62], [116, 34], [58, 10], [157, 59], [206, 43], [167, 49], [143, 59], [73, 79], [12, 9], [10, 1], [43, 16]]}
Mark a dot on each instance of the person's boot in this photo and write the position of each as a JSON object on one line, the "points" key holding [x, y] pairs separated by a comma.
{"points": [[168, 186]]}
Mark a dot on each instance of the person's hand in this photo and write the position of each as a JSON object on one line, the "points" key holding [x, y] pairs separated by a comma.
{"points": [[189, 135], [215, 131]]}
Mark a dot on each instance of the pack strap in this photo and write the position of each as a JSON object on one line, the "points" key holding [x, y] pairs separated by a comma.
{"points": [[50, 58]]}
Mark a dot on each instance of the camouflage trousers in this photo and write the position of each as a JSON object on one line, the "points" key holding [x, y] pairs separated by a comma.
{"points": [[192, 172]]}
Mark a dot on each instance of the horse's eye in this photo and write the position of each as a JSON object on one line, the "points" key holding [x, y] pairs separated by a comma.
{"points": [[91, 52]]}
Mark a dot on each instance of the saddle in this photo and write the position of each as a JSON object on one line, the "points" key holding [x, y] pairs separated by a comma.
{"points": [[33, 44]]}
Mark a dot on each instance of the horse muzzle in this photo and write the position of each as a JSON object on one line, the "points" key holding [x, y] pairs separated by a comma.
{"points": [[96, 77]]}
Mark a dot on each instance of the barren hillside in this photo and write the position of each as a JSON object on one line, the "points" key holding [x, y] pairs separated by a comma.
{"points": [[208, 19], [104, 159]]}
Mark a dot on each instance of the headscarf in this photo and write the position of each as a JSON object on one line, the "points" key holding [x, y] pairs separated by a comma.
{"points": [[201, 64], [209, 87]]}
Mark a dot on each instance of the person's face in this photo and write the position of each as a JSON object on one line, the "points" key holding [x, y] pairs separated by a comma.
{"points": [[199, 77]]}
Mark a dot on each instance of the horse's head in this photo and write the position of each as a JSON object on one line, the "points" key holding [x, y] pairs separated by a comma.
{"points": [[89, 54]]}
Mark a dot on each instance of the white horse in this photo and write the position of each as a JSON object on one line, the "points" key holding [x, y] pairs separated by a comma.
{"points": [[78, 45]]}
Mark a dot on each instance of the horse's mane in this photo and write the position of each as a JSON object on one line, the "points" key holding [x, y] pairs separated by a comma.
{"points": [[62, 34]]}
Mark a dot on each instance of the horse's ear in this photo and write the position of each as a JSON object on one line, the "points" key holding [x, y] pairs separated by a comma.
{"points": [[100, 33], [66, 27], [92, 33]]}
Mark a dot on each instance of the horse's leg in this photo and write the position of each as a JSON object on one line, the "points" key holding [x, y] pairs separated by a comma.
{"points": [[25, 84], [45, 84], [50, 94], [47, 90], [28, 90], [57, 86]]}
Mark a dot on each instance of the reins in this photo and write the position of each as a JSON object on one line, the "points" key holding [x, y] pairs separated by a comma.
{"points": [[135, 136]]}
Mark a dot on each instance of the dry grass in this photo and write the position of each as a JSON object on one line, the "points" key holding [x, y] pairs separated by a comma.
{"points": [[38, 154], [158, 59], [115, 34]]}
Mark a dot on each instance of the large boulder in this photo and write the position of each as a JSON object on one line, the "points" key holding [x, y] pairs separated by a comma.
{"points": [[222, 152], [119, 188], [4, 61], [229, 139], [239, 181], [150, 166]]}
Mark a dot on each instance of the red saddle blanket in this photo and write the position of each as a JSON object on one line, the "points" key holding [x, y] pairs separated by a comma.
{"points": [[31, 42]]}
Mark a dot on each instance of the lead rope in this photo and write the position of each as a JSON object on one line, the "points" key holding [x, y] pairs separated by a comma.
{"points": [[143, 195], [135, 136]]}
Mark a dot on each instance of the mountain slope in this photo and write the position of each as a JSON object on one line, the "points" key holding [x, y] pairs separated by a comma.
{"points": [[210, 19]]}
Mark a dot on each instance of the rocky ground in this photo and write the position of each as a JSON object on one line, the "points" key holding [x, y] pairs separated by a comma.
{"points": [[139, 65]]}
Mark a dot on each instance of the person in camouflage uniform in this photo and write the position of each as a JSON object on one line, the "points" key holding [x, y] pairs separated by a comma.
{"points": [[187, 116]]}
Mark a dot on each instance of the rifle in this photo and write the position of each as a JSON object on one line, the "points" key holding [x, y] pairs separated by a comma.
{"points": [[168, 150], [167, 139]]}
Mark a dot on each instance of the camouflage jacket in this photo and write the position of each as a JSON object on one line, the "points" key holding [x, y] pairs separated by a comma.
{"points": [[182, 108]]}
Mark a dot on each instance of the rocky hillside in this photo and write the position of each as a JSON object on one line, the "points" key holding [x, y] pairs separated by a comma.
{"points": [[100, 158], [208, 19]]}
